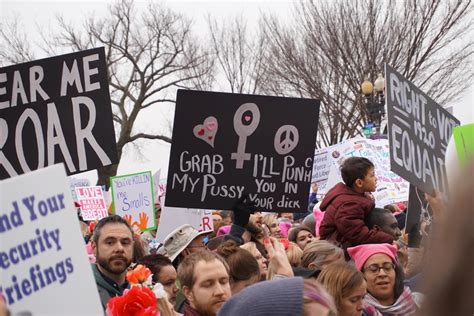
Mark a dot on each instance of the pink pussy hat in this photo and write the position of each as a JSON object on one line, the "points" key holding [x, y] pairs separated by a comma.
{"points": [[361, 253]]}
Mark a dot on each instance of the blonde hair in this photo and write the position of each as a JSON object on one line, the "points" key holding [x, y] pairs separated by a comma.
{"points": [[294, 257], [313, 291], [268, 219], [340, 279], [321, 253], [250, 247], [294, 254], [165, 307]]}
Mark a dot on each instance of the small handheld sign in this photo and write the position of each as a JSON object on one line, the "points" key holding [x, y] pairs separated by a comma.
{"points": [[133, 199], [92, 203]]}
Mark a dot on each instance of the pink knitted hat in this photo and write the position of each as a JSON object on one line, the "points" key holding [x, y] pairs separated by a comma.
{"points": [[223, 230], [361, 253], [284, 228]]}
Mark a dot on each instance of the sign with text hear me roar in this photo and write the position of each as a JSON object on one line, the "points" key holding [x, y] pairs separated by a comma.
{"points": [[227, 145], [132, 197], [92, 203], [56, 110], [419, 133], [44, 268]]}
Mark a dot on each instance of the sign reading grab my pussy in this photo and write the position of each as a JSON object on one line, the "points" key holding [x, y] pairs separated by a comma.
{"points": [[227, 145]]}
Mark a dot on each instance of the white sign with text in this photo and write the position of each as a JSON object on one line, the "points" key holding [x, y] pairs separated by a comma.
{"points": [[92, 203], [44, 269], [133, 199], [173, 217]]}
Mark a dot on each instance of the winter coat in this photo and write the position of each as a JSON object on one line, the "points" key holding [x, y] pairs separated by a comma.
{"points": [[106, 290], [344, 213]]}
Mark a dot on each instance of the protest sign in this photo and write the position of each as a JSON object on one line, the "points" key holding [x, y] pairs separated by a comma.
{"points": [[74, 182], [159, 186], [321, 165], [92, 203], [391, 188], [464, 142], [173, 217], [227, 145], [44, 268], [419, 132], [56, 110], [132, 197], [156, 186]]}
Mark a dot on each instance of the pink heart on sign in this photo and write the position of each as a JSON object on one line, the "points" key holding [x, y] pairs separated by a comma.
{"points": [[247, 118], [211, 125], [208, 133]]}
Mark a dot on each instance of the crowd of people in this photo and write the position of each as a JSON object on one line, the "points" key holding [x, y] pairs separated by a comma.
{"points": [[343, 257]]}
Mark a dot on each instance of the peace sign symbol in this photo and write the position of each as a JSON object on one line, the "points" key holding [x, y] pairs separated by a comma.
{"points": [[286, 139]]}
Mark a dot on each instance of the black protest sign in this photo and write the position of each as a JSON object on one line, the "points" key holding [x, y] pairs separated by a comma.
{"points": [[419, 132], [56, 110], [227, 145]]}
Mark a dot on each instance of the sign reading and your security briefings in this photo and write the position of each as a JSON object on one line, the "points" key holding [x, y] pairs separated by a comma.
{"points": [[227, 145], [44, 269], [56, 110], [419, 132]]}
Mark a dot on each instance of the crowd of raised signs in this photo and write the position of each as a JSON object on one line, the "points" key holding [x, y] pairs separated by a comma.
{"points": [[340, 256], [343, 256]]}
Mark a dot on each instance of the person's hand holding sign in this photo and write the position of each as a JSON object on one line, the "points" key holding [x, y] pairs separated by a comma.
{"points": [[437, 204], [242, 209], [314, 187], [278, 258]]}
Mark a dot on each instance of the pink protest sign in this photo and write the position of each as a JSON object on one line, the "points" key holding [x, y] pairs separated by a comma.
{"points": [[92, 203]]}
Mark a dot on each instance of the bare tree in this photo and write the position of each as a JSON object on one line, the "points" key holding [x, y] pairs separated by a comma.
{"points": [[238, 56], [331, 45], [148, 53]]}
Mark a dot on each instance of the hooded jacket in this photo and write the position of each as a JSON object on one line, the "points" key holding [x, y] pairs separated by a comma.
{"points": [[344, 213]]}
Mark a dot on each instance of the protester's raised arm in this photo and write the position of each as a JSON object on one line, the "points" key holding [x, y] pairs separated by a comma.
{"points": [[242, 209], [278, 259], [437, 204]]}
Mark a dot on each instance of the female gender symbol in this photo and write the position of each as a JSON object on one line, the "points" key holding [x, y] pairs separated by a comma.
{"points": [[246, 120]]}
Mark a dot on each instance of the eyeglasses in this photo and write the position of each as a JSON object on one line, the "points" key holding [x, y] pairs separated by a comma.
{"points": [[375, 268]]}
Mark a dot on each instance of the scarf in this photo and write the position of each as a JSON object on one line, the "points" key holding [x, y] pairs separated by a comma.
{"points": [[404, 305], [189, 311]]}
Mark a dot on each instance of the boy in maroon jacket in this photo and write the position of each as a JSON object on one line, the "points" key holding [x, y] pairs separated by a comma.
{"points": [[347, 205]]}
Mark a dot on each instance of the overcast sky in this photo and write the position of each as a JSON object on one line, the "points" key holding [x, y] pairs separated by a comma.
{"points": [[37, 14]]}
